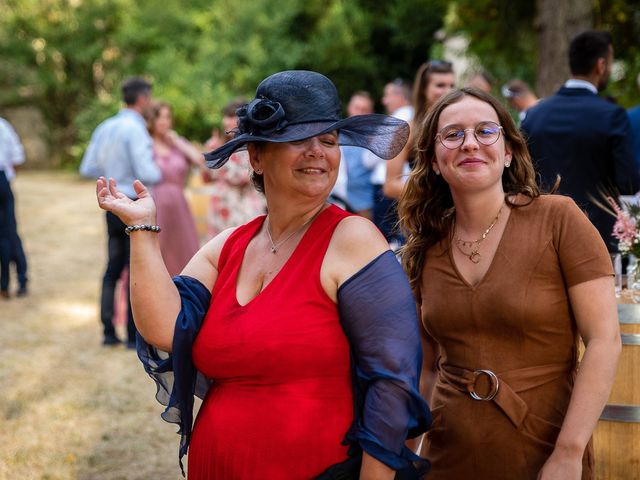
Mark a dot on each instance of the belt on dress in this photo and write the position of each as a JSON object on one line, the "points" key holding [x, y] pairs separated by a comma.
{"points": [[504, 386]]}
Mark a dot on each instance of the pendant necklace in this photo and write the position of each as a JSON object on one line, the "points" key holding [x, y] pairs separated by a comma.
{"points": [[275, 246], [474, 245]]}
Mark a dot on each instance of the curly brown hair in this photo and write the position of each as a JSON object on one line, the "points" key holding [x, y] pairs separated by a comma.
{"points": [[426, 208]]}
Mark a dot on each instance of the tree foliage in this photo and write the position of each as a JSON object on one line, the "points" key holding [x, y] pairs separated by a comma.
{"points": [[502, 35], [68, 57], [622, 19]]}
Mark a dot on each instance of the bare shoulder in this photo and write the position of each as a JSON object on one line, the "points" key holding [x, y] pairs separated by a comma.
{"points": [[213, 247], [355, 242], [356, 233]]}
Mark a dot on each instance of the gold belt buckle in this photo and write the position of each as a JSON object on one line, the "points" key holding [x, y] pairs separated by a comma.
{"points": [[495, 382]]}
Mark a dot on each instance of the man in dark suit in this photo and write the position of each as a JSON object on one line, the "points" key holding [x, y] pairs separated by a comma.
{"points": [[584, 138], [634, 117]]}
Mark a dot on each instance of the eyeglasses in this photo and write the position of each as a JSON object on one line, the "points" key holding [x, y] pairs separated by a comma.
{"points": [[486, 133]]}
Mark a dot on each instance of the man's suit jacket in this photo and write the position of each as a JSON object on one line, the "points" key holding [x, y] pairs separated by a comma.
{"points": [[634, 117], [587, 141]]}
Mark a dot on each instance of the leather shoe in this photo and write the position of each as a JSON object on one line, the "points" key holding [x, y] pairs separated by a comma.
{"points": [[110, 341]]}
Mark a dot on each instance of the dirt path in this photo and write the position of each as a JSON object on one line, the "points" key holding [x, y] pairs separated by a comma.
{"points": [[69, 408]]}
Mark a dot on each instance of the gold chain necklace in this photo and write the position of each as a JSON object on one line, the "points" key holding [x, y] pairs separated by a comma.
{"points": [[474, 245], [275, 246]]}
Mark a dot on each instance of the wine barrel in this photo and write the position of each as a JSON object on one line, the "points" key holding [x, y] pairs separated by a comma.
{"points": [[617, 436]]}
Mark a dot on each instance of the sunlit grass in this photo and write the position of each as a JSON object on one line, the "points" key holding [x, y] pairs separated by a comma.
{"points": [[69, 408]]}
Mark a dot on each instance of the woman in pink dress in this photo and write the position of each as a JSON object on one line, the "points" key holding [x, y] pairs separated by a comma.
{"points": [[174, 155]]}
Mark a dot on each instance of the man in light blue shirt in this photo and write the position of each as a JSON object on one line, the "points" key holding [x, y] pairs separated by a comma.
{"points": [[11, 154], [121, 148]]}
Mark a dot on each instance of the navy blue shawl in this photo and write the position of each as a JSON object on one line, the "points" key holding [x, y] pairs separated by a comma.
{"points": [[378, 315]]}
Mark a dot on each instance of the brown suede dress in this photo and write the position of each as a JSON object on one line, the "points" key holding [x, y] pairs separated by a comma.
{"points": [[518, 324]]}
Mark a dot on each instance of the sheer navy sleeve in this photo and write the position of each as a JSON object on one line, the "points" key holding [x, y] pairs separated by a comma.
{"points": [[378, 315], [176, 378]]}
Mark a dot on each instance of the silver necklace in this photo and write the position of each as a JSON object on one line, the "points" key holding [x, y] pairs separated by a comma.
{"points": [[275, 246]]}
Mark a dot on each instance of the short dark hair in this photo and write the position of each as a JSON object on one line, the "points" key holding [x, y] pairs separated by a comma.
{"points": [[585, 50], [134, 87], [230, 108]]}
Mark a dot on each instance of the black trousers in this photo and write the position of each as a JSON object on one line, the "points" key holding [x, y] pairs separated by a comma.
{"points": [[118, 250], [10, 244]]}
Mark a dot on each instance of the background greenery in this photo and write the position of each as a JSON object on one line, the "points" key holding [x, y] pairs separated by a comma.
{"points": [[68, 57]]}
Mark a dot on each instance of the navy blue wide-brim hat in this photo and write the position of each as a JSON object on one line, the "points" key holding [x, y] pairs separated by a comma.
{"points": [[298, 104]]}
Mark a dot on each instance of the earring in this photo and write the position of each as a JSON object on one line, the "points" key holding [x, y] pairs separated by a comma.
{"points": [[507, 164], [258, 172], [437, 172]]}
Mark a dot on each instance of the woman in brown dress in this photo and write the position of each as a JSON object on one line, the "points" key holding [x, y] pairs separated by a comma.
{"points": [[507, 279]]}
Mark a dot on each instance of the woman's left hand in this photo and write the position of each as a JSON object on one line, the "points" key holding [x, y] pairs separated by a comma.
{"points": [[561, 466], [131, 212]]}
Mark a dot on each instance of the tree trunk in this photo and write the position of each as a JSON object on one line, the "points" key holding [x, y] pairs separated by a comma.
{"points": [[557, 22]]}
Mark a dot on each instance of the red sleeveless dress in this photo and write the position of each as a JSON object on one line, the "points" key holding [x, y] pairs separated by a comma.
{"points": [[282, 398]]}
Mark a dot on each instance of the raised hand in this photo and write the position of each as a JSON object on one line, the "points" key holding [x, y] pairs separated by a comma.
{"points": [[131, 212]]}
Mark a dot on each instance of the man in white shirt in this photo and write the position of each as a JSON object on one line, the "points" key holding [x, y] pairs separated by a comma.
{"points": [[11, 154]]}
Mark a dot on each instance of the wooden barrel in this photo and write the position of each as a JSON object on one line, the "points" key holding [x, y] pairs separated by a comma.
{"points": [[617, 436]]}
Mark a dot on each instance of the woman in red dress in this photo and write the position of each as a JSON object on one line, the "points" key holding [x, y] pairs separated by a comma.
{"points": [[309, 335]]}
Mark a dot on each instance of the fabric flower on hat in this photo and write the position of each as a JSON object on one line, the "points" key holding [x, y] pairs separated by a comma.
{"points": [[261, 117]]}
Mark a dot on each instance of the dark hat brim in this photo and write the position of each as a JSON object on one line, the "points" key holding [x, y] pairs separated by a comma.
{"points": [[383, 135]]}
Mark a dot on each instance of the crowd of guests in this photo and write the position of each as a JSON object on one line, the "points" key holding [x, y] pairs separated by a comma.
{"points": [[295, 321]]}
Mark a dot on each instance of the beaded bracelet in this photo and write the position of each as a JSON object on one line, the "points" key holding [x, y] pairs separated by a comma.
{"points": [[147, 228]]}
